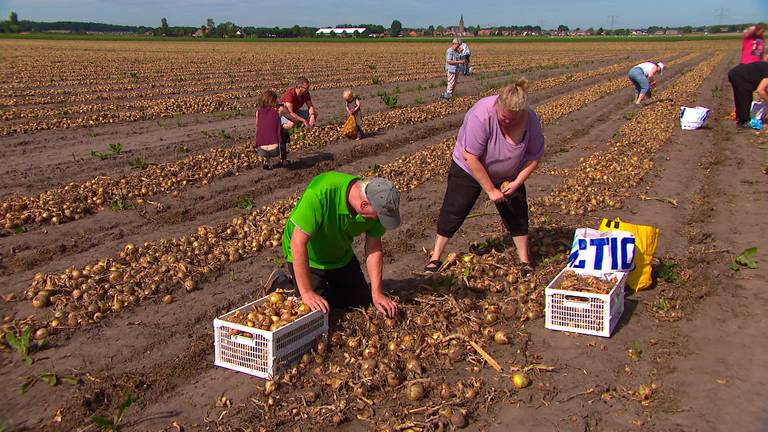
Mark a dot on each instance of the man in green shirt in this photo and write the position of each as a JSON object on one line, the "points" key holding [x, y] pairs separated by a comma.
{"points": [[317, 240]]}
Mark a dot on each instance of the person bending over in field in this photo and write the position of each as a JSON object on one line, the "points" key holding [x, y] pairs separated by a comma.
{"points": [[268, 142], [499, 145], [352, 105], [294, 100], [643, 77], [746, 79], [317, 241]]}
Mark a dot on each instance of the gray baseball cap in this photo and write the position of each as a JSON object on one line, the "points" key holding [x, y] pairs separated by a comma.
{"points": [[385, 199]]}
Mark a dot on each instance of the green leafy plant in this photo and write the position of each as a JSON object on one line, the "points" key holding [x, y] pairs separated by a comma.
{"points": [[20, 229], [114, 423], [375, 80], [224, 135], [629, 115], [661, 304], [669, 272], [134, 75], [245, 203], [419, 101], [232, 276], [181, 148], [635, 351], [22, 343], [118, 204], [49, 378], [116, 148], [716, 91], [372, 66], [138, 162], [389, 100], [100, 155], [744, 259]]}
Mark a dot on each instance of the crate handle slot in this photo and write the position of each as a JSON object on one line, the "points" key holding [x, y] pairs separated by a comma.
{"points": [[575, 301], [244, 340]]}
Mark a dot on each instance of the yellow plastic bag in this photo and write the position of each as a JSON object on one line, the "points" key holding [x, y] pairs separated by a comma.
{"points": [[349, 129], [646, 238]]}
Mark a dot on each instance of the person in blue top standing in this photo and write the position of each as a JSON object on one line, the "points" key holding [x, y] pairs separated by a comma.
{"points": [[452, 62]]}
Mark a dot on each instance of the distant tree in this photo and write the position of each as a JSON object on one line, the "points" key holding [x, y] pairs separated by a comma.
{"points": [[164, 26], [440, 29], [562, 28], [395, 28], [430, 31], [600, 31], [686, 29], [296, 30], [13, 18], [211, 26]]}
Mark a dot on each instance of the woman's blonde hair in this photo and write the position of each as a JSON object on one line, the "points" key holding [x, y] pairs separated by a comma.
{"points": [[514, 97], [266, 99]]}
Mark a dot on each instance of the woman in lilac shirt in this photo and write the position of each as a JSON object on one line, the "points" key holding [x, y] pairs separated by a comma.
{"points": [[498, 147]]}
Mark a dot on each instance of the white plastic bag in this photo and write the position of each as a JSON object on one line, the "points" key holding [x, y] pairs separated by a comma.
{"points": [[693, 118], [597, 253]]}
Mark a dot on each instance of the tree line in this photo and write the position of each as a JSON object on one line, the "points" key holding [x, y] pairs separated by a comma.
{"points": [[229, 29]]}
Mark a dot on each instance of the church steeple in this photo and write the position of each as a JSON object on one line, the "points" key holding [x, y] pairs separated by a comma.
{"points": [[461, 24]]}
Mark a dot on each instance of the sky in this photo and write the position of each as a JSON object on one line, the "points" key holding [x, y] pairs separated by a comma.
{"points": [[412, 13]]}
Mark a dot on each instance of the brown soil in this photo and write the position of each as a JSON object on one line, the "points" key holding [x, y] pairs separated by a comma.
{"points": [[702, 349]]}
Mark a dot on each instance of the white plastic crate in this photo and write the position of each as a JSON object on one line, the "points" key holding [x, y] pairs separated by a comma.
{"points": [[265, 354], [584, 312]]}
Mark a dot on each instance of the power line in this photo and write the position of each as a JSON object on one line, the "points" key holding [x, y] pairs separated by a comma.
{"points": [[720, 15], [612, 20]]}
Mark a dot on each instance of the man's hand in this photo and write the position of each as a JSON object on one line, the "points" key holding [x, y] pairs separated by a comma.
{"points": [[496, 195], [315, 301], [385, 305], [311, 121], [509, 187]]}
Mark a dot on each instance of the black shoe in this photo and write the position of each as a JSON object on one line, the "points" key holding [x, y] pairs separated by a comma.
{"points": [[526, 270], [278, 279], [744, 125]]}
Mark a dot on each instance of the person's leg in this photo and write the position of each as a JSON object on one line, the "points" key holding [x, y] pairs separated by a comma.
{"points": [[318, 279], [514, 216], [742, 99], [451, 83], [460, 196], [642, 86], [466, 65], [347, 286]]}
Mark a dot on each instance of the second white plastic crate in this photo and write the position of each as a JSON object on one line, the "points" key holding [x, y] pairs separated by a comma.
{"points": [[584, 312], [263, 353]]}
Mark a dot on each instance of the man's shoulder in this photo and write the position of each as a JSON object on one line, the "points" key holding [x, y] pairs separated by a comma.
{"points": [[330, 179]]}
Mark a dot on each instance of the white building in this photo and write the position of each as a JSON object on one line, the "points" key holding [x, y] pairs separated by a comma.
{"points": [[342, 31]]}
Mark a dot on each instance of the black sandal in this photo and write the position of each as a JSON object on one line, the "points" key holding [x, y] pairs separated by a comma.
{"points": [[526, 270], [433, 266]]}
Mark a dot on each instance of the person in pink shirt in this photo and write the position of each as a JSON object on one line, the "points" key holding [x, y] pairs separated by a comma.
{"points": [[499, 145], [753, 44]]}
